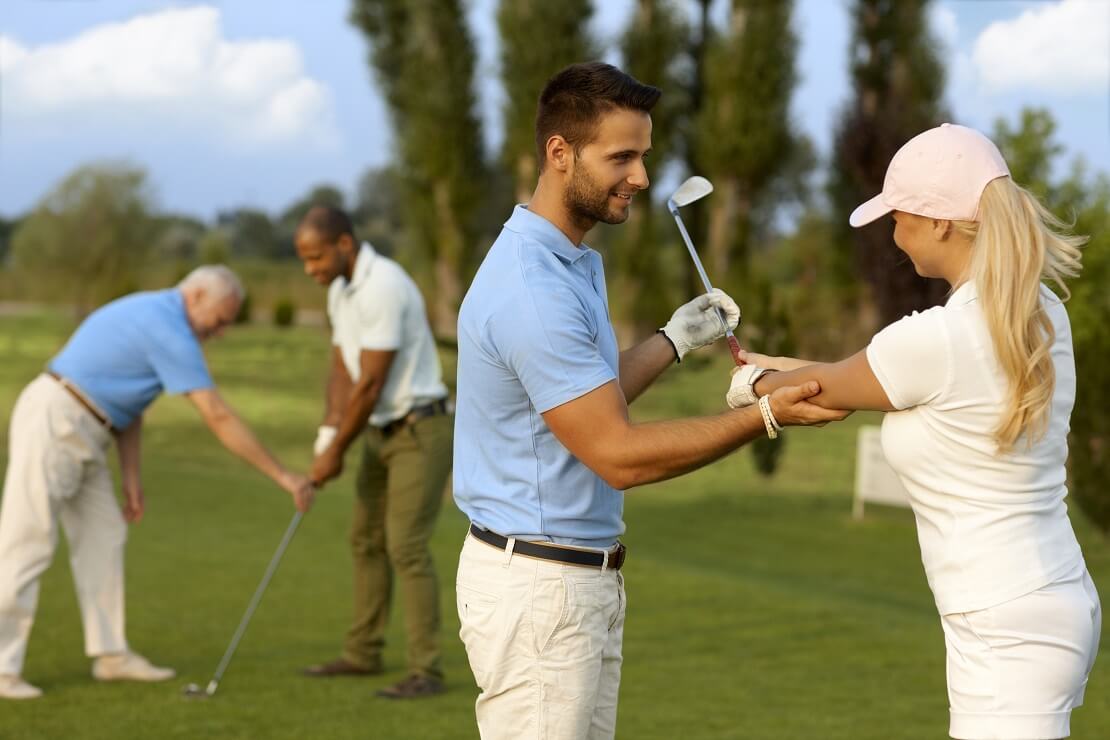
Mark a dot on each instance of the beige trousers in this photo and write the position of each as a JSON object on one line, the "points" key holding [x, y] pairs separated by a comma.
{"points": [[544, 642], [57, 471]]}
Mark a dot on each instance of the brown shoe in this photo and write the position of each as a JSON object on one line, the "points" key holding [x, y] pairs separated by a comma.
{"points": [[340, 667], [413, 687]]}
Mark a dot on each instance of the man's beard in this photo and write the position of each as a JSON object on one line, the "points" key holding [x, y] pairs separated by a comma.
{"points": [[588, 203]]}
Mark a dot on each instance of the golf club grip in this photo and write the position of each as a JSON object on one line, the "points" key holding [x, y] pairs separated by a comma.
{"points": [[734, 345]]}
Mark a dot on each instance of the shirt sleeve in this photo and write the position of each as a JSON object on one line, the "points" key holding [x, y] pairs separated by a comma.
{"points": [[912, 359], [180, 366], [381, 307], [547, 339]]}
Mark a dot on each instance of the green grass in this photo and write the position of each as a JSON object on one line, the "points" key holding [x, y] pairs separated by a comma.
{"points": [[758, 608]]}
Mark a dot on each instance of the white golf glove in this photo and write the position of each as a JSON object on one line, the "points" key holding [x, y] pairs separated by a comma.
{"points": [[324, 437], [696, 324], [741, 392]]}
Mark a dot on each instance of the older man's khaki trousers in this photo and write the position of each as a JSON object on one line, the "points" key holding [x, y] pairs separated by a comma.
{"points": [[57, 471]]}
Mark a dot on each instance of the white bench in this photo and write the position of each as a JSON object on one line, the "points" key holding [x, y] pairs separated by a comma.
{"points": [[876, 481]]}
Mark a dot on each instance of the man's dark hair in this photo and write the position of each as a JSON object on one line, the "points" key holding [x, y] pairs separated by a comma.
{"points": [[574, 100], [328, 222]]}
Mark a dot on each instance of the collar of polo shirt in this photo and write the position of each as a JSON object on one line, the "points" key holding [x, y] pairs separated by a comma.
{"points": [[536, 227], [966, 293], [363, 262]]}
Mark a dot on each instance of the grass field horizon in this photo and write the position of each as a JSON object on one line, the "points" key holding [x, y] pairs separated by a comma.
{"points": [[757, 607]]}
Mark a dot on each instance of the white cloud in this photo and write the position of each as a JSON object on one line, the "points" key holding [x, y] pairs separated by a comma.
{"points": [[171, 67], [1059, 47], [942, 21]]}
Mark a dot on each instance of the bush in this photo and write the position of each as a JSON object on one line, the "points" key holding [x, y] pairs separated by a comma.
{"points": [[284, 312], [773, 337]]}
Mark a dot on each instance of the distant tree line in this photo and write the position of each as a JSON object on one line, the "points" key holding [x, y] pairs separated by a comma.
{"points": [[774, 233]]}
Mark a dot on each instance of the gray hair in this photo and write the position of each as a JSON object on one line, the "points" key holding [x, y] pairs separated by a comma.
{"points": [[217, 281]]}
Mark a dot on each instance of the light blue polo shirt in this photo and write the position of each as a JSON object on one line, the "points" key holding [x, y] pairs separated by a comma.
{"points": [[534, 333], [130, 350]]}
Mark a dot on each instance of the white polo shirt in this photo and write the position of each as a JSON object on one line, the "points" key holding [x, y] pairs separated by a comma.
{"points": [[382, 309], [991, 527]]}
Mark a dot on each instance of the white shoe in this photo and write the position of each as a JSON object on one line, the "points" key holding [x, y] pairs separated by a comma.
{"points": [[128, 667], [14, 687]]}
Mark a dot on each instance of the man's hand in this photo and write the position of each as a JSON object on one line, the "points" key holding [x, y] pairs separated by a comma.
{"points": [[790, 407], [134, 504], [697, 324], [324, 437], [327, 465], [302, 490]]}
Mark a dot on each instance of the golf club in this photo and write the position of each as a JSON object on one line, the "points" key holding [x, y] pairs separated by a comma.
{"points": [[195, 691], [696, 188]]}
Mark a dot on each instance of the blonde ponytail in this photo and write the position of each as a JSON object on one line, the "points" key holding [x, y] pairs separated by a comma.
{"points": [[1016, 244]]}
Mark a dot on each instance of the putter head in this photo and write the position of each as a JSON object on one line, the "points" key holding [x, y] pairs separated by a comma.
{"points": [[695, 188], [193, 691]]}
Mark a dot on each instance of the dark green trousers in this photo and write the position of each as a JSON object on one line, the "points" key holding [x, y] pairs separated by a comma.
{"points": [[398, 494]]}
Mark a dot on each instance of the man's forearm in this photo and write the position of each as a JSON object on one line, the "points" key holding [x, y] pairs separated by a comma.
{"points": [[338, 391], [237, 437], [642, 364], [360, 404], [128, 444], [656, 451]]}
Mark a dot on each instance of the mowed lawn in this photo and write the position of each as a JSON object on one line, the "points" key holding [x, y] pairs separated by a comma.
{"points": [[758, 607]]}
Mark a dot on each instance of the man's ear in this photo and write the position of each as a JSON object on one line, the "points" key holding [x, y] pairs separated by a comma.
{"points": [[346, 244], [559, 153]]}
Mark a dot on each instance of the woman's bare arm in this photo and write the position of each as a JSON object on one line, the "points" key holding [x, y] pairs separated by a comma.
{"points": [[849, 384]]}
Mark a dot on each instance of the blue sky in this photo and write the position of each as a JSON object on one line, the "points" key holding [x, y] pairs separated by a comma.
{"points": [[240, 103]]}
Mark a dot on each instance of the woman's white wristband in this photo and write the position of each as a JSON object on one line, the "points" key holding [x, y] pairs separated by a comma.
{"points": [[769, 420]]}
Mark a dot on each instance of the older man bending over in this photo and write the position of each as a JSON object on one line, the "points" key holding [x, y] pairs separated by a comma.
{"points": [[117, 362]]}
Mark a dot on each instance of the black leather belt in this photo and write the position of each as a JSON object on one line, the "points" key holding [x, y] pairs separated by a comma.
{"points": [[420, 412], [78, 396], [557, 553]]}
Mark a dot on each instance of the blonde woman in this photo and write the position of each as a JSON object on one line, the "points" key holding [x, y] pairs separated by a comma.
{"points": [[980, 391]]}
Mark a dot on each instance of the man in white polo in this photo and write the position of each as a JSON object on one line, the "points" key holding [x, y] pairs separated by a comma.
{"points": [[385, 389], [95, 390]]}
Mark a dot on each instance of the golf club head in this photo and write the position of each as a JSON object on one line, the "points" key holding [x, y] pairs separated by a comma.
{"points": [[193, 691], [695, 188]]}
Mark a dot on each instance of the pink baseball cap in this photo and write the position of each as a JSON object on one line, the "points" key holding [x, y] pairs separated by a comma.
{"points": [[939, 173]]}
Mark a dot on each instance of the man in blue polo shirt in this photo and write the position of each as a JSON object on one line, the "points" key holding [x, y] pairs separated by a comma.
{"points": [[543, 443], [117, 362]]}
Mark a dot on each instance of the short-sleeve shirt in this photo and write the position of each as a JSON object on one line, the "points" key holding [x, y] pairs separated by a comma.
{"points": [[534, 333], [132, 349], [381, 309], [991, 526]]}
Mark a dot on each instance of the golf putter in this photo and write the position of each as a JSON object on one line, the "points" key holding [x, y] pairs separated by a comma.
{"points": [[196, 692], [696, 188]]}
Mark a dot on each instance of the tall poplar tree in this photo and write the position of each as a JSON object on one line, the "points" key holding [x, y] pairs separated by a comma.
{"points": [[655, 51], [897, 81], [538, 38], [745, 137], [424, 58]]}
